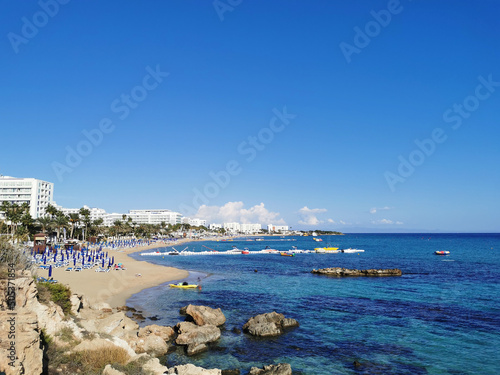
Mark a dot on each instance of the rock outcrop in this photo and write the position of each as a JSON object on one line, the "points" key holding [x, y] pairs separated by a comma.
{"points": [[342, 272], [20, 347], [196, 337], [269, 324], [203, 315], [192, 370], [279, 369]]}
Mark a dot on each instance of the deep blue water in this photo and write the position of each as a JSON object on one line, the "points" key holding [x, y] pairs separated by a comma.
{"points": [[441, 317]]}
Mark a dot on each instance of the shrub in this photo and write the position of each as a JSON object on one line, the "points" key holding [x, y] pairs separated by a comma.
{"points": [[66, 335], [57, 293], [92, 361]]}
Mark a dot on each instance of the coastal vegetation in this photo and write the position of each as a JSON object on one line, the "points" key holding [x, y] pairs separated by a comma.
{"points": [[19, 226], [57, 293], [324, 232]]}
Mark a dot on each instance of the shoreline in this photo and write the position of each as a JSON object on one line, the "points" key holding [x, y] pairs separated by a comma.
{"points": [[116, 287]]}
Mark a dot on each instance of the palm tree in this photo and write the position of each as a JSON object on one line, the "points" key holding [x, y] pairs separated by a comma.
{"points": [[61, 221], [97, 225], [45, 222], [52, 211], [85, 212], [6, 209], [118, 225], [73, 219]]}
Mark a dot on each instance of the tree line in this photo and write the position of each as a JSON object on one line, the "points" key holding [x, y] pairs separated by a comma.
{"points": [[21, 227]]}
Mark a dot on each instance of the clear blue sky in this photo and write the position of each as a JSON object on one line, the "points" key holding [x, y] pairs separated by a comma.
{"points": [[360, 102]]}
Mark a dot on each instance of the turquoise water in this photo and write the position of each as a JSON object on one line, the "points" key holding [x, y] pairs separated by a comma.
{"points": [[441, 317]]}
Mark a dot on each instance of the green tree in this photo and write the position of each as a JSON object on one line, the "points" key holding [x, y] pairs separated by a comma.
{"points": [[85, 214], [45, 222], [60, 222], [74, 219]]}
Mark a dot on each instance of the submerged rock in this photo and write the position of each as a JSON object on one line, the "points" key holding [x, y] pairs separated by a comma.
{"points": [[279, 369], [190, 369], [196, 337], [337, 271], [269, 324]]}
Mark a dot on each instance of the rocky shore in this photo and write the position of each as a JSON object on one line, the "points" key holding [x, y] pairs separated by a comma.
{"points": [[47, 339], [345, 272]]}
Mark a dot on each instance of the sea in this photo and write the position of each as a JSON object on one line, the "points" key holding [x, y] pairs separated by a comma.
{"points": [[442, 316]]}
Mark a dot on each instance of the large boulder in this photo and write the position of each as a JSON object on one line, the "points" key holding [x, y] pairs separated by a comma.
{"points": [[166, 333], [153, 366], [203, 315], [109, 370], [196, 337], [190, 369], [279, 369], [117, 324], [269, 324], [151, 344]]}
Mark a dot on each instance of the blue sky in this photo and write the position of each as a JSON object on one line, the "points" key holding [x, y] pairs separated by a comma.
{"points": [[308, 112]]}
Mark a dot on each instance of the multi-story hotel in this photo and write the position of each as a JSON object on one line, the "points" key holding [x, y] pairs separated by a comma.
{"points": [[277, 228], [137, 216], [37, 193]]}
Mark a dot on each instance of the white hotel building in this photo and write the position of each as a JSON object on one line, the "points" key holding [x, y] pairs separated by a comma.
{"points": [[277, 228], [37, 193], [241, 228], [138, 216]]}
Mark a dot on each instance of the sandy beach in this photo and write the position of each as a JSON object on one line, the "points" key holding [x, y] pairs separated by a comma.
{"points": [[115, 287]]}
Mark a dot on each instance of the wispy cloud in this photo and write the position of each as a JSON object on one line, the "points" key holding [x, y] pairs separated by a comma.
{"points": [[235, 212], [375, 209], [386, 222]]}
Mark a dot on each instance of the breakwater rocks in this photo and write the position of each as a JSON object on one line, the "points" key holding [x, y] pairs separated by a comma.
{"points": [[269, 324], [345, 272]]}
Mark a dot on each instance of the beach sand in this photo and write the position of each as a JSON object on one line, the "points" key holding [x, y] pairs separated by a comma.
{"points": [[115, 287]]}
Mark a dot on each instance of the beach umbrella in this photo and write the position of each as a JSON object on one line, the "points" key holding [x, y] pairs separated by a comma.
{"points": [[102, 265], [44, 260], [55, 256], [50, 271], [83, 261], [113, 260], [74, 262]]}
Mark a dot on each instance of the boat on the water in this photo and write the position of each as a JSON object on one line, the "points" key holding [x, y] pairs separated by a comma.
{"points": [[323, 250], [183, 286], [352, 251], [285, 254], [317, 239], [442, 252]]}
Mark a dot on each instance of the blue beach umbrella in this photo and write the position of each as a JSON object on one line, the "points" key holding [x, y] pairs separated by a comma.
{"points": [[44, 260], [50, 271], [74, 262], [102, 265]]}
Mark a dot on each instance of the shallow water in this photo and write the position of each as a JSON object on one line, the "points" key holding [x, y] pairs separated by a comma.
{"points": [[441, 317]]}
